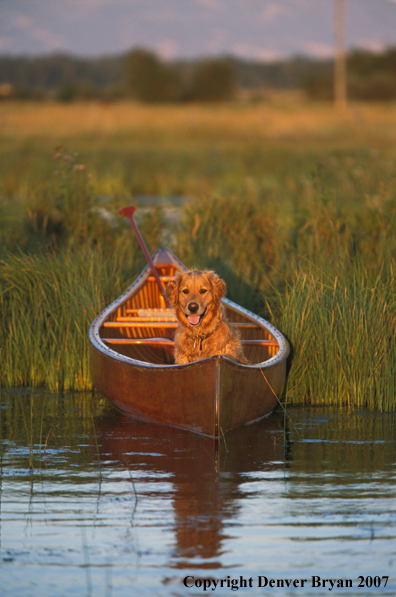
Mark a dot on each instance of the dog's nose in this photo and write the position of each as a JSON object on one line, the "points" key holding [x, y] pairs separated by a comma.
{"points": [[193, 307]]}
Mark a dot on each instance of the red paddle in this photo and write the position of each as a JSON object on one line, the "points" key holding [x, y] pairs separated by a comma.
{"points": [[128, 213]]}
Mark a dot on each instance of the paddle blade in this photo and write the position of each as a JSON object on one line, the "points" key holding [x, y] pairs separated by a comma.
{"points": [[127, 211]]}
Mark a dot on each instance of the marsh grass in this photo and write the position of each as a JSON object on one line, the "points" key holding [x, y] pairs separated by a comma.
{"points": [[340, 322], [342, 329], [294, 206], [47, 303]]}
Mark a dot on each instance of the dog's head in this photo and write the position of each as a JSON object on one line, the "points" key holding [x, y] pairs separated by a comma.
{"points": [[196, 297]]}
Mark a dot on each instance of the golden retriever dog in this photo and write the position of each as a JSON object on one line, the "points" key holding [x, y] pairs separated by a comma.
{"points": [[203, 329]]}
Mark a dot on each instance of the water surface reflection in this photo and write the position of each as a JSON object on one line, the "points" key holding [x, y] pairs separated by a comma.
{"points": [[205, 475], [96, 503]]}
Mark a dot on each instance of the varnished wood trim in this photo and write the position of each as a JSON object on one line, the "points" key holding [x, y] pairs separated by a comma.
{"points": [[142, 322], [159, 341], [167, 341]]}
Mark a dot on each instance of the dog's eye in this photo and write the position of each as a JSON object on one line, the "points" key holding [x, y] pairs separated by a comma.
{"points": [[185, 291], [203, 291]]}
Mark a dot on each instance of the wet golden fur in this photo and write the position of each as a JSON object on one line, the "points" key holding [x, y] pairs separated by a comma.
{"points": [[197, 295]]}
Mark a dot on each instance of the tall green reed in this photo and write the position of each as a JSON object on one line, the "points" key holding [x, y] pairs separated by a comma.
{"points": [[341, 325], [46, 306]]}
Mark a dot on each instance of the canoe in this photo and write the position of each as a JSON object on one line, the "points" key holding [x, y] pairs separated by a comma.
{"points": [[131, 362]]}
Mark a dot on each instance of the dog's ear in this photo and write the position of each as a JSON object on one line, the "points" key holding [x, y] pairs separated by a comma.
{"points": [[172, 290], [219, 287]]}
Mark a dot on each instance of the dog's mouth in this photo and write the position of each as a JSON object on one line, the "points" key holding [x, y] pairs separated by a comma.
{"points": [[195, 319]]}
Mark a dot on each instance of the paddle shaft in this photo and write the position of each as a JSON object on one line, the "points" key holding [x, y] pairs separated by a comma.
{"points": [[128, 213]]}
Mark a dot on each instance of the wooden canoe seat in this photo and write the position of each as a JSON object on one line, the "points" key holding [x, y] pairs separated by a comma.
{"points": [[162, 278], [168, 322], [168, 342], [152, 313], [155, 341], [132, 323]]}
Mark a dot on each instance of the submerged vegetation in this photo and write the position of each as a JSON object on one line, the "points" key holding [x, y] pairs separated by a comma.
{"points": [[294, 207]]}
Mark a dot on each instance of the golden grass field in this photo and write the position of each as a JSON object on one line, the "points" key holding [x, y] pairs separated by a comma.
{"points": [[277, 120]]}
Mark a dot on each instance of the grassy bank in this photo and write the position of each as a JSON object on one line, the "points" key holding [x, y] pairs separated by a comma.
{"points": [[341, 324], [293, 205]]}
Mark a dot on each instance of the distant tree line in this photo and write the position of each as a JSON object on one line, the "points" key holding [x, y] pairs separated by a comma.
{"points": [[152, 80], [62, 76], [141, 74], [370, 76]]}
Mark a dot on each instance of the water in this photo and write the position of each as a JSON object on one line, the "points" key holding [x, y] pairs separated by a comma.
{"points": [[95, 503]]}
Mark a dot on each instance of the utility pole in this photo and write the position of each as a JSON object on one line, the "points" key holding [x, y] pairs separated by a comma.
{"points": [[340, 88]]}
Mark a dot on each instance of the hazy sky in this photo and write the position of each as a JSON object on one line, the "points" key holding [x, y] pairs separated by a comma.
{"points": [[261, 29]]}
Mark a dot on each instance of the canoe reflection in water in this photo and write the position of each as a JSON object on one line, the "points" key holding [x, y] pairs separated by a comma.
{"points": [[206, 475]]}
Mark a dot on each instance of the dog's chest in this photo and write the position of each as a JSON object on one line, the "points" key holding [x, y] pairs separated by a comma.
{"points": [[202, 347], [197, 343]]}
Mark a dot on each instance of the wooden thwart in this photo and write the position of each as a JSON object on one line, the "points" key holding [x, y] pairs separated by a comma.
{"points": [[168, 342], [162, 278], [156, 313], [140, 324], [158, 341], [143, 322], [146, 319]]}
